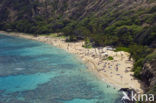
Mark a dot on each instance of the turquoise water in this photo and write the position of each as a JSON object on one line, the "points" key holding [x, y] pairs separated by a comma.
{"points": [[34, 72]]}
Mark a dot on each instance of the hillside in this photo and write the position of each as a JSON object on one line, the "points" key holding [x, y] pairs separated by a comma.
{"points": [[101, 16], [121, 23]]}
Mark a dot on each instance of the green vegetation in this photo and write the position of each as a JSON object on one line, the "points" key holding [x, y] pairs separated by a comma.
{"points": [[139, 54], [110, 58], [52, 35], [122, 32], [151, 56], [126, 49], [87, 43]]}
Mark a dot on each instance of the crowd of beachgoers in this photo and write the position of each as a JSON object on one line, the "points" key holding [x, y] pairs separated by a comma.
{"points": [[116, 71]]}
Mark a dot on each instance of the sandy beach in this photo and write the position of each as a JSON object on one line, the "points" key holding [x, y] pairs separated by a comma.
{"points": [[116, 72]]}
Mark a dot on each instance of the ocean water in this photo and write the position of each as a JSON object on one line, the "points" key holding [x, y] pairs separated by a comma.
{"points": [[34, 72]]}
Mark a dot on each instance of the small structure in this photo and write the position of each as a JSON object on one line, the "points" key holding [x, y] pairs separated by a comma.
{"points": [[109, 48], [105, 54]]}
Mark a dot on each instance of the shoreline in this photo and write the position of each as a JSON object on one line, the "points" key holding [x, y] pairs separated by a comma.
{"points": [[116, 72]]}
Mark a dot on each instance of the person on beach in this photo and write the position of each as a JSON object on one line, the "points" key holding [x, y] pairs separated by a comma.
{"points": [[116, 68]]}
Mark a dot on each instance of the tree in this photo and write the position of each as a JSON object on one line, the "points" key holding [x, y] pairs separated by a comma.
{"points": [[87, 44]]}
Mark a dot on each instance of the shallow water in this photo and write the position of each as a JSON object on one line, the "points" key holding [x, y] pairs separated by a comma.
{"points": [[34, 72]]}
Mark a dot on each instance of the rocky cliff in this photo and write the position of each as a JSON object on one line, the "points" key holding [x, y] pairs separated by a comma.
{"points": [[76, 9]]}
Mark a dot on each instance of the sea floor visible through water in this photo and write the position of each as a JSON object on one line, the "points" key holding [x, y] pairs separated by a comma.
{"points": [[34, 72]]}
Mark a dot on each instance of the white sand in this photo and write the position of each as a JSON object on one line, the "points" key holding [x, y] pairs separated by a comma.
{"points": [[115, 72]]}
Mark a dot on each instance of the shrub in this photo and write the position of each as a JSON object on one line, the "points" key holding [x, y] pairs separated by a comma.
{"points": [[110, 58], [87, 44], [138, 67], [126, 49], [151, 56]]}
